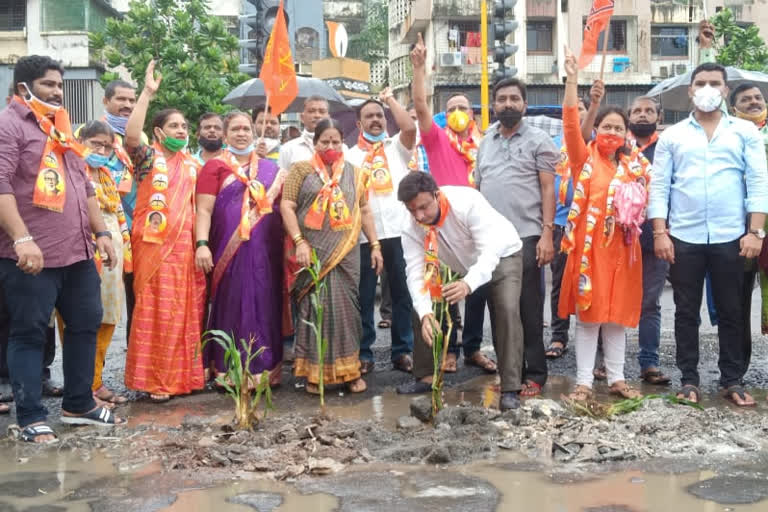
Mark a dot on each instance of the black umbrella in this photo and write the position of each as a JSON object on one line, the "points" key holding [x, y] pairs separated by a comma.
{"points": [[251, 93]]}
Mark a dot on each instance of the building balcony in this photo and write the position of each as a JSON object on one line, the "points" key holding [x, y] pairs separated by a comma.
{"points": [[417, 21], [455, 9]]}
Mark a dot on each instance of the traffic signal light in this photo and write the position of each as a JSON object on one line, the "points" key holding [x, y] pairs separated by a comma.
{"points": [[501, 29], [255, 29]]}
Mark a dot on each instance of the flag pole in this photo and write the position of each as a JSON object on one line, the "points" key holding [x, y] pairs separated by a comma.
{"points": [[605, 47], [266, 110]]}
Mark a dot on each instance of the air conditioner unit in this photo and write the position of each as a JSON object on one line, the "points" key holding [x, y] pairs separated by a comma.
{"points": [[664, 72], [450, 60], [680, 69]]}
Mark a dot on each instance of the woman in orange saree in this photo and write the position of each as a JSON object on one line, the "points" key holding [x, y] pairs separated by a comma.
{"points": [[602, 276], [164, 356], [324, 207]]}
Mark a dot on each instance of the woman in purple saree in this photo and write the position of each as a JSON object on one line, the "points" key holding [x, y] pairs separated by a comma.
{"points": [[240, 245]]}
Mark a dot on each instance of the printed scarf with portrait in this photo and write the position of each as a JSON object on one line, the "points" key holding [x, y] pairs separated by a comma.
{"points": [[376, 165], [109, 200], [433, 281], [52, 167], [330, 198], [254, 191], [630, 168], [466, 148]]}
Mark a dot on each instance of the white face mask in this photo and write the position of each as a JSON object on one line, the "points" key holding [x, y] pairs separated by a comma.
{"points": [[707, 99]]}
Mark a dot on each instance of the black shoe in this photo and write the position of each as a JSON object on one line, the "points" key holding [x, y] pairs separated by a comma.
{"points": [[414, 387], [509, 400]]}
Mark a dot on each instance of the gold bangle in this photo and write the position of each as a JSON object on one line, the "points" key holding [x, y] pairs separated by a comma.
{"points": [[298, 238], [375, 245]]}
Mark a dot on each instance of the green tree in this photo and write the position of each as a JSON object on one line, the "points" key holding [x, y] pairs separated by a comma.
{"points": [[741, 47], [196, 54], [372, 43]]}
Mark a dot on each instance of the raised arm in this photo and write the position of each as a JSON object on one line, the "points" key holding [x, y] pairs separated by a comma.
{"points": [[135, 123], [596, 94], [404, 122], [706, 39], [574, 141], [419, 87]]}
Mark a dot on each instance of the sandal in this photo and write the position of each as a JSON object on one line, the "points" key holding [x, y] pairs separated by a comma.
{"points": [[621, 389], [31, 433], [580, 393], [530, 389], [556, 351], [100, 416], [357, 386], [5, 409], [450, 365], [385, 324], [479, 360], [655, 377], [600, 373], [109, 396], [686, 391], [312, 389], [159, 399], [740, 392]]}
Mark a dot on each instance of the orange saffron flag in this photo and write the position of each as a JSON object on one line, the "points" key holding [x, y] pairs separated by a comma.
{"points": [[277, 70], [597, 21]]}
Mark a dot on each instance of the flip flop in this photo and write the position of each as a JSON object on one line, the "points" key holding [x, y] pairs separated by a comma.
{"points": [[451, 364], [685, 393], [5, 409], [100, 416], [111, 397], [739, 391], [555, 351], [530, 389], [31, 433], [385, 324], [655, 377], [488, 365]]}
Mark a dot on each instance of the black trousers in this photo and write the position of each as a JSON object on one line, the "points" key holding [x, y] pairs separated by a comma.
{"points": [[726, 268], [130, 302]]}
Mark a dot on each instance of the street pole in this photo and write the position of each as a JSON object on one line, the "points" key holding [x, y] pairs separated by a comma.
{"points": [[484, 64]]}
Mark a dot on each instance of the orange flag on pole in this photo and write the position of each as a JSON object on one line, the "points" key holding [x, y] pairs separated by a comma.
{"points": [[277, 70], [597, 21]]}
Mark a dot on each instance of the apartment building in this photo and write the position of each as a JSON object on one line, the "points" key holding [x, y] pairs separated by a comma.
{"points": [[648, 40]]}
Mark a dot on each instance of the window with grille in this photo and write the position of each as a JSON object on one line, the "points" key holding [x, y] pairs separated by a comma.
{"points": [[539, 36], [72, 15], [463, 34], [669, 41], [13, 15], [80, 99], [617, 36]]}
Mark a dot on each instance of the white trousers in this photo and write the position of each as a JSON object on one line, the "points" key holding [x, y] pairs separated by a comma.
{"points": [[614, 344]]}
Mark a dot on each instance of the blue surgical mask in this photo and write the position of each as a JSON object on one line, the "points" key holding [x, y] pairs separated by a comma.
{"points": [[375, 138], [96, 160], [241, 152], [117, 122]]}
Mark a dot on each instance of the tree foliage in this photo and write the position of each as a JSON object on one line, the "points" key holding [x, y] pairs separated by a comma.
{"points": [[372, 43], [741, 47], [195, 53]]}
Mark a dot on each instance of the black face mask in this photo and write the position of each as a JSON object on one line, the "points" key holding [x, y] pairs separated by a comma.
{"points": [[509, 117], [210, 144], [642, 129]]}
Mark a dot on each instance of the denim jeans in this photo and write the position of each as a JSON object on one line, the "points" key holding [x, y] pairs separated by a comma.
{"points": [[402, 307], [49, 352], [726, 268], [75, 292], [654, 276]]}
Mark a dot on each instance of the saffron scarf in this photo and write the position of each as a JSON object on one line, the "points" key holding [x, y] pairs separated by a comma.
{"points": [[50, 190], [466, 148], [254, 190], [329, 196], [433, 281], [631, 168], [633, 141], [109, 200], [376, 165]]}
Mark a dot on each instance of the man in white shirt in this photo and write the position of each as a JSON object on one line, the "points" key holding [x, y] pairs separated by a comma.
{"points": [[386, 158], [302, 148], [459, 228]]}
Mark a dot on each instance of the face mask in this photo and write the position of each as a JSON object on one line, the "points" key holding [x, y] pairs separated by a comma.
{"points": [[375, 138], [241, 152], [330, 156], [173, 144], [96, 160], [707, 99], [758, 119], [210, 144], [642, 129], [271, 143], [117, 123], [38, 105], [458, 121], [509, 117], [608, 143]]}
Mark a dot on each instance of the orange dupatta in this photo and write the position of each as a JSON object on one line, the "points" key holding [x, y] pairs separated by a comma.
{"points": [[51, 185], [466, 148], [330, 195], [433, 281], [181, 176], [254, 190]]}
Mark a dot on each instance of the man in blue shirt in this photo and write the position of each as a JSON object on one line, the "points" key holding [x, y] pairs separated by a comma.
{"points": [[710, 182]]}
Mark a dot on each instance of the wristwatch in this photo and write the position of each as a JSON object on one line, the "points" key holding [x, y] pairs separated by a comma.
{"points": [[108, 234], [759, 233]]}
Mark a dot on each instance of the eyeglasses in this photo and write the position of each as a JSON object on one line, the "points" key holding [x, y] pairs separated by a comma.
{"points": [[96, 145]]}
